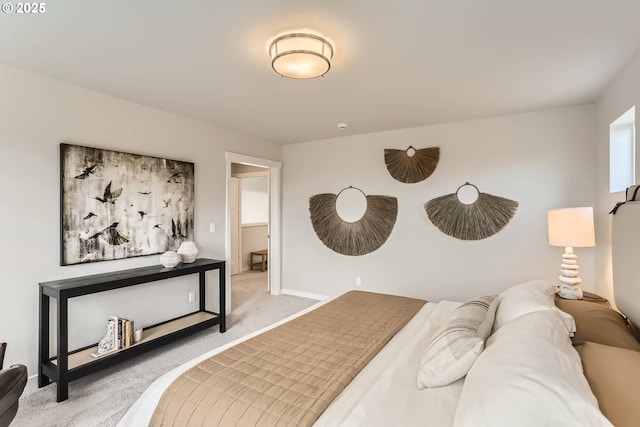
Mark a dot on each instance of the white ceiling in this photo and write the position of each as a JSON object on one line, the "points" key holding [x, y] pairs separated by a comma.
{"points": [[396, 65]]}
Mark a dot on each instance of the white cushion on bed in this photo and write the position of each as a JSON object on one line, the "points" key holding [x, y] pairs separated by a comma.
{"points": [[528, 375], [528, 297], [457, 344], [486, 326]]}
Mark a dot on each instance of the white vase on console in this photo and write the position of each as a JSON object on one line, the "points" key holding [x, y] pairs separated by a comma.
{"points": [[188, 251], [170, 259]]}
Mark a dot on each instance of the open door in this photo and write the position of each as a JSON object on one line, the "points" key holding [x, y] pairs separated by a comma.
{"points": [[273, 233]]}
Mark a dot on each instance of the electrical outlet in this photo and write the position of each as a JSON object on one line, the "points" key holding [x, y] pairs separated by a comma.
{"points": [[192, 296], [358, 282]]}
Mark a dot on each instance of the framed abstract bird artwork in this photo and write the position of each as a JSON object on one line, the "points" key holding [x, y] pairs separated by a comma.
{"points": [[118, 205]]}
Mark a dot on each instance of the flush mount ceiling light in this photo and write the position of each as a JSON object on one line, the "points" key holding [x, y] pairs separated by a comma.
{"points": [[301, 55]]}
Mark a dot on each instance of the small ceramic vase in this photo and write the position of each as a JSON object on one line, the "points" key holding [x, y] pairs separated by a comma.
{"points": [[188, 251], [170, 259]]}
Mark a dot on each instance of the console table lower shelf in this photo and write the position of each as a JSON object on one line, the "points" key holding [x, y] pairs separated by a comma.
{"points": [[68, 366], [152, 337]]}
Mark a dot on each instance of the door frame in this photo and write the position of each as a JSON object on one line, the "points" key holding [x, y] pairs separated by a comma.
{"points": [[274, 230], [237, 195]]}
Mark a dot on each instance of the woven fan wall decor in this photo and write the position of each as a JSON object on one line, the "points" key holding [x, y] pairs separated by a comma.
{"points": [[478, 220], [411, 165], [353, 238]]}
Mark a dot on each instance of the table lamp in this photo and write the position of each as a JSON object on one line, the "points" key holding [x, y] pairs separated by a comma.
{"points": [[571, 227]]}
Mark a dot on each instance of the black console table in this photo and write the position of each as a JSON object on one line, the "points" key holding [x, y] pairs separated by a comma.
{"points": [[67, 366]]}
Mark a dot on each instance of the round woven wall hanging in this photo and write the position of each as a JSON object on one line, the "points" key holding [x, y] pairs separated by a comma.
{"points": [[411, 165], [353, 238], [487, 215]]}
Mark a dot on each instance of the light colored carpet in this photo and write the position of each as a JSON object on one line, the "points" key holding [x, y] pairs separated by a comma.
{"points": [[102, 398]]}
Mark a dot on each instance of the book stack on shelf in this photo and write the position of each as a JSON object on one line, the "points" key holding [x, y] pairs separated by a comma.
{"points": [[120, 335]]}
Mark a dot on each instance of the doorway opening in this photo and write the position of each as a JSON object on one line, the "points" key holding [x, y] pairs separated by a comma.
{"points": [[252, 228]]}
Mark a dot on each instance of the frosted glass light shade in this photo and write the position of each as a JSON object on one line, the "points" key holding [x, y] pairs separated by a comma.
{"points": [[301, 55], [571, 227]]}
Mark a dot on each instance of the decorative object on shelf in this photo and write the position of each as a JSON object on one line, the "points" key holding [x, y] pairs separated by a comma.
{"points": [[170, 259], [300, 55], [188, 251], [571, 227], [118, 205], [411, 165], [475, 216], [109, 343], [358, 237], [119, 335], [137, 335]]}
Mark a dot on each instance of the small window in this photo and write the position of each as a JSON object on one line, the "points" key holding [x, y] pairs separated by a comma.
{"points": [[622, 151], [255, 200]]}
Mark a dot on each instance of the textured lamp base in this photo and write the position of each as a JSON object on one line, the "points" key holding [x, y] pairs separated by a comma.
{"points": [[570, 281], [571, 292]]}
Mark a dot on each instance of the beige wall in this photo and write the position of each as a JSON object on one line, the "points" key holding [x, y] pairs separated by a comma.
{"points": [[254, 238], [37, 114], [622, 94], [544, 160]]}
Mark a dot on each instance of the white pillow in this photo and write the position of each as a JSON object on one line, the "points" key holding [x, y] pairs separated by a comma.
{"points": [[457, 343], [485, 328], [528, 297], [542, 286], [528, 375]]}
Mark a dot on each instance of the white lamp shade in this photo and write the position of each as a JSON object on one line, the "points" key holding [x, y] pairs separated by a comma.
{"points": [[571, 227]]}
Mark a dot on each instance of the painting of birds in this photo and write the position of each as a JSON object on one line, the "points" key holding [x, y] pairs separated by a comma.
{"points": [[176, 230], [138, 195], [86, 172], [174, 178], [109, 196], [111, 235]]}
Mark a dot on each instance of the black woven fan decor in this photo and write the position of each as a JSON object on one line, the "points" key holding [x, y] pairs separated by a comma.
{"points": [[478, 220], [411, 165], [353, 238]]}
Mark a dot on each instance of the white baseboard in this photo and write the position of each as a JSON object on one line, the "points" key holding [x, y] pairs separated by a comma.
{"points": [[302, 294]]}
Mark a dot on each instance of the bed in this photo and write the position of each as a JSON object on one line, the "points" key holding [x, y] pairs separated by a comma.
{"points": [[518, 358]]}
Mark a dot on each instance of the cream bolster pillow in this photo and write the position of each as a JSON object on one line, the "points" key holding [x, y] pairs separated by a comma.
{"points": [[527, 297], [457, 344], [529, 375]]}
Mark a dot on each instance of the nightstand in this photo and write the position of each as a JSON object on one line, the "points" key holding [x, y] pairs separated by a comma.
{"points": [[591, 297]]}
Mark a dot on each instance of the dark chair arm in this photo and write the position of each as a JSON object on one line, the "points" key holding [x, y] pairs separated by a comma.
{"points": [[12, 383]]}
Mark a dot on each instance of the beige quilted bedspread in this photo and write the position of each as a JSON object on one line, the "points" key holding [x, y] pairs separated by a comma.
{"points": [[288, 375]]}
